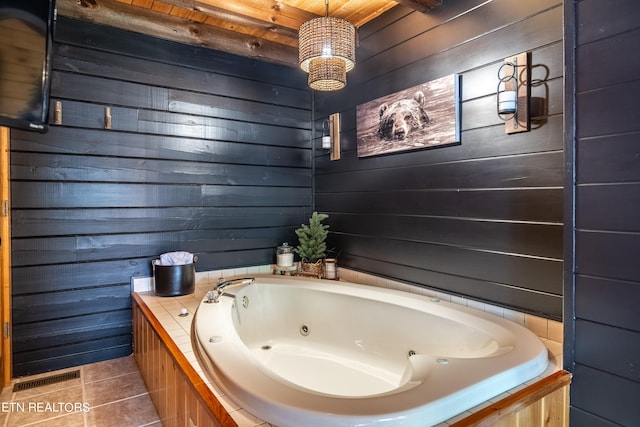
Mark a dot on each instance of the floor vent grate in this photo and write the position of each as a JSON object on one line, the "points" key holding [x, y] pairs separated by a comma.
{"points": [[39, 382]]}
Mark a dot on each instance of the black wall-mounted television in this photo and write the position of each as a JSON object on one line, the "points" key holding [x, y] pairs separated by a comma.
{"points": [[26, 28]]}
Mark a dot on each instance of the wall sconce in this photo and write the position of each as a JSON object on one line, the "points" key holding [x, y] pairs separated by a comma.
{"points": [[326, 138], [513, 93]]}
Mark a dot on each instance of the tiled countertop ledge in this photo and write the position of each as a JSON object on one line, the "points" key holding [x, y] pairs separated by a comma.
{"points": [[167, 310]]}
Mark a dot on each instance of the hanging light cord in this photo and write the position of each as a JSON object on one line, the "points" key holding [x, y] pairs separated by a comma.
{"points": [[326, 8]]}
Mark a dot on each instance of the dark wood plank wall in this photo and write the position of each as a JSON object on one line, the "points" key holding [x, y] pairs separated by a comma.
{"points": [[208, 153], [484, 218], [603, 286]]}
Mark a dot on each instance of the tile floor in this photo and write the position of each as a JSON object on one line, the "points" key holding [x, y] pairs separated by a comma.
{"points": [[107, 394]]}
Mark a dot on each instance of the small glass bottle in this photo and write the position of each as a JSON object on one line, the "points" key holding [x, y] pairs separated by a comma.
{"points": [[284, 255], [330, 268]]}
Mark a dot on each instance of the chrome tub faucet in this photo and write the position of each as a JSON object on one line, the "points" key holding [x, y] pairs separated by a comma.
{"points": [[214, 295]]}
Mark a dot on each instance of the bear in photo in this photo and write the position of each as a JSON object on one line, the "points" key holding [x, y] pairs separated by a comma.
{"points": [[402, 117]]}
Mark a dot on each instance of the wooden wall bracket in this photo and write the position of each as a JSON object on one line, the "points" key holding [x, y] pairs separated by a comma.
{"points": [[334, 133], [107, 117], [57, 113]]}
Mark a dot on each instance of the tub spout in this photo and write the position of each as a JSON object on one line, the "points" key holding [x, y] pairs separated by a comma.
{"points": [[215, 294]]}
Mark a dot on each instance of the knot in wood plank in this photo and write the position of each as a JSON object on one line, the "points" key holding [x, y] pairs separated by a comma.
{"points": [[91, 4]]}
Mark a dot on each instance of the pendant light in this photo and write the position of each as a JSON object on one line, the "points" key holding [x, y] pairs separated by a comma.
{"points": [[327, 51]]}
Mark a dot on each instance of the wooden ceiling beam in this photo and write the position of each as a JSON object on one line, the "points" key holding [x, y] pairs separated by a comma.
{"points": [[420, 5], [157, 24], [233, 21], [359, 12], [262, 29], [270, 11]]}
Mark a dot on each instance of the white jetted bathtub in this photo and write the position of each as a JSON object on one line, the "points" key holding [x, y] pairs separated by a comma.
{"points": [[305, 352]]}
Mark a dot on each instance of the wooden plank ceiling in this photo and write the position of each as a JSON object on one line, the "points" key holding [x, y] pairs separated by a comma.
{"points": [[265, 29]]}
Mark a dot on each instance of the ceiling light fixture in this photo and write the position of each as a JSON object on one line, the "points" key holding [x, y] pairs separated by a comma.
{"points": [[327, 51]]}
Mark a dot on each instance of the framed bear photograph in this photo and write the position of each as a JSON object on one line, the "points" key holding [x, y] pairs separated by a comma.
{"points": [[423, 116]]}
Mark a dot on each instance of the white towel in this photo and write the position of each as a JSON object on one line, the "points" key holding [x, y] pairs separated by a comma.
{"points": [[176, 258]]}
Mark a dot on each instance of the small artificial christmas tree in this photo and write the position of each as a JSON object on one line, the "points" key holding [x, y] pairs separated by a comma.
{"points": [[312, 238]]}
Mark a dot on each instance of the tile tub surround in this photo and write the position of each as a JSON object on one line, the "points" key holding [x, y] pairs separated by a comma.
{"points": [[167, 311]]}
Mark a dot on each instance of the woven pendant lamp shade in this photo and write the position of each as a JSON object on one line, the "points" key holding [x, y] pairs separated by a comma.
{"points": [[327, 74], [327, 51]]}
